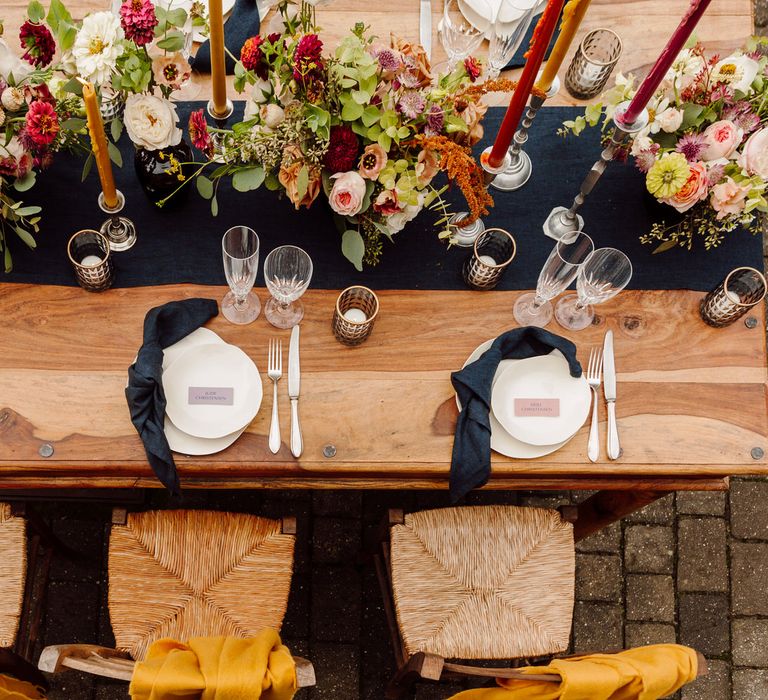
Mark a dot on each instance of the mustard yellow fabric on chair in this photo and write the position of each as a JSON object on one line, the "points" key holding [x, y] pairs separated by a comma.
{"points": [[14, 689], [216, 668], [645, 673]]}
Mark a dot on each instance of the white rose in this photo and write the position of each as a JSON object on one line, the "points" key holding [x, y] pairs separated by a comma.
{"points": [[11, 64], [670, 119], [737, 71], [641, 143], [272, 115], [260, 93], [151, 122], [396, 222]]}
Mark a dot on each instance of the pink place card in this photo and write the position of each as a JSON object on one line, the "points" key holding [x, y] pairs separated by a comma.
{"points": [[539, 408], [211, 396]]}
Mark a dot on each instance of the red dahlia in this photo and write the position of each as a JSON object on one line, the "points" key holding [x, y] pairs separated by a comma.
{"points": [[252, 56], [42, 123], [343, 150], [308, 59], [38, 44], [198, 133], [138, 20], [473, 68]]}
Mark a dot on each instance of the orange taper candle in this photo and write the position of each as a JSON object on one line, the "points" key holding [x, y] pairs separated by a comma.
{"points": [[99, 145], [573, 13], [218, 70]]}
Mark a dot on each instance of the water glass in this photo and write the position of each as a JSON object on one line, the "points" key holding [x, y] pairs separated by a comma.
{"points": [[287, 273], [240, 249], [601, 278], [560, 269], [356, 310], [593, 64], [458, 36], [89, 254], [493, 251], [506, 34], [742, 289]]}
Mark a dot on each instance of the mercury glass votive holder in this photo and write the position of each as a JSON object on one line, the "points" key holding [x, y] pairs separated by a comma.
{"points": [[742, 289], [354, 315], [89, 254], [593, 63], [494, 249]]}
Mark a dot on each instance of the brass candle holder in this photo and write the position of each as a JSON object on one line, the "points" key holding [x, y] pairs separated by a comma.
{"points": [[118, 230]]}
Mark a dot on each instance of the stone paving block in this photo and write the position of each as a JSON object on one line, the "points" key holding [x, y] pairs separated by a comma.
{"points": [[348, 504], [749, 574], [337, 667], [492, 497], [335, 540], [660, 512], [74, 685], [702, 563], [107, 689], [71, 613], [749, 516], [435, 691], [649, 549], [273, 507], [606, 540], [598, 577], [750, 684], [297, 616], [700, 502], [376, 503], [640, 634], [597, 626], [749, 640], [650, 598], [377, 659], [704, 623], [335, 604], [714, 686], [86, 537]]}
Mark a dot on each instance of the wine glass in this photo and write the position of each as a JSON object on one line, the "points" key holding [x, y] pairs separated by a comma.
{"points": [[287, 272], [602, 277], [240, 249], [458, 36], [507, 31], [560, 269]]}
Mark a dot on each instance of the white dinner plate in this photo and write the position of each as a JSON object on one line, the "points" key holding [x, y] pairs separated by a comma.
{"points": [[476, 15], [200, 336], [212, 365], [501, 441], [543, 377]]}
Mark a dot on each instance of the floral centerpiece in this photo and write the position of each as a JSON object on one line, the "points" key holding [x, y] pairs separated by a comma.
{"points": [[705, 150], [367, 125]]}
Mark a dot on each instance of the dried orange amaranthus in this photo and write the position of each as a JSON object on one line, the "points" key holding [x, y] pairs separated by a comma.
{"points": [[498, 85], [457, 162]]}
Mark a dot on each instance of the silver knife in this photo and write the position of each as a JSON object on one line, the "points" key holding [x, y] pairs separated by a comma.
{"points": [[609, 390], [294, 384], [425, 27]]}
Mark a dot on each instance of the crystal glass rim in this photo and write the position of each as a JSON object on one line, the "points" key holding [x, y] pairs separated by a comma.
{"points": [[237, 257], [751, 269], [568, 262], [98, 234], [348, 289], [594, 62], [295, 247], [613, 250], [508, 235]]}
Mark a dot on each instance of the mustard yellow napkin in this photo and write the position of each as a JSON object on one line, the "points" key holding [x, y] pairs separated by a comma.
{"points": [[645, 673], [216, 668], [14, 689]]}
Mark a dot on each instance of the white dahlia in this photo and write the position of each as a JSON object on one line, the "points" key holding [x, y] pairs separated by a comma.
{"points": [[97, 46]]}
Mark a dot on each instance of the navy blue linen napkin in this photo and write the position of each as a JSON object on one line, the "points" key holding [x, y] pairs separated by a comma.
{"points": [[163, 326], [242, 24], [518, 60], [471, 459]]}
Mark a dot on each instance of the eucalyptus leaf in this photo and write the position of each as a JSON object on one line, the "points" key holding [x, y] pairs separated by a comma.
{"points": [[25, 183], [25, 236], [73, 124], [87, 167], [353, 248], [114, 154], [271, 182], [172, 42], [7, 259], [214, 206], [351, 111], [176, 17], [250, 179], [666, 245], [302, 182], [35, 11], [28, 211], [116, 129], [204, 187]]}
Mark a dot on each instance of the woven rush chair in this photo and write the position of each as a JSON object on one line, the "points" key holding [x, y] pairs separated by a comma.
{"points": [[13, 571], [475, 583], [184, 574]]}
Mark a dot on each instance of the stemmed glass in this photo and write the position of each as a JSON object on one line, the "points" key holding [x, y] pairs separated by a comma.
{"points": [[507, 32], [458, 36], [560, 269], [602, 277], [240, 249], [287, 272]]}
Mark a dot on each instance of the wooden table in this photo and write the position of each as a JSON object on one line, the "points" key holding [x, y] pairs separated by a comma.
{"points": [[691, 399]]}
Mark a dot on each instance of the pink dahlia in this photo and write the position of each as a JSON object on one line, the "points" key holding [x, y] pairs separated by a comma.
{"points": [[308, 59], [343, 149], [38, 44], [473, 68], [42, 123], [138, 20], [199, 134]]}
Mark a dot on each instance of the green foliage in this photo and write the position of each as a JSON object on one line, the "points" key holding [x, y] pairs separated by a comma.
{"points": [[134, 70], [353, 248]]}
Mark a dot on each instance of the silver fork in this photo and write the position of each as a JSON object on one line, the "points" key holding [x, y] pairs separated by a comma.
{"points": [[274, 372], [594, 374]]}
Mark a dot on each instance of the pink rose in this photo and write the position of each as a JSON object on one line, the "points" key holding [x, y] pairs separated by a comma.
{"points": [[754, 158], [372, 161], [723, 138], [694, 190], [386, 203], [347, 193], [729, 198]]}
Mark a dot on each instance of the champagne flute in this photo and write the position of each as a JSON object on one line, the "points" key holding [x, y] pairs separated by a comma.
{"points": [[240, 250], [601, 278], [507, 32], [287, 272], [458, 36], [560, 269]]}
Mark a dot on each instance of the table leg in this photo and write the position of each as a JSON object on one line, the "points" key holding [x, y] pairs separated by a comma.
{"points": [[606, 507]]}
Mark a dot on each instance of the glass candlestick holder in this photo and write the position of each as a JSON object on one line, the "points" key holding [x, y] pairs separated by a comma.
{"points": [[118, 230]]}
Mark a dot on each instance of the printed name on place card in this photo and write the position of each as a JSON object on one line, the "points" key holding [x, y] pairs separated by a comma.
{"points": [[539, 408], [211, 396]]}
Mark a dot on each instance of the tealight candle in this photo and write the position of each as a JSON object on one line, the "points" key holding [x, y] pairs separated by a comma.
{"points": [[732, 296], [355, 315], [487, 260], [90, 260]]}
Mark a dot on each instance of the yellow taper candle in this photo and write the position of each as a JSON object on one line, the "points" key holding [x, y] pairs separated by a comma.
{"points": [[573, 13], [99, 145], [218, 72]]}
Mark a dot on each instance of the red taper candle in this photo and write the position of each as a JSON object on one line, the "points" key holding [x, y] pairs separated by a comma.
{"points": [[537, 49], [664, 62]]}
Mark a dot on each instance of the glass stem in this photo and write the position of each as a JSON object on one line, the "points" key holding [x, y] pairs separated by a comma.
{"points": [[537, 303]]}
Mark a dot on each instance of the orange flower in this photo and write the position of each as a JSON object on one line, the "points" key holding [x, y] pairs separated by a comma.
{"points": [[293, 162], [421, 68], [427, 166], [472, 114]]}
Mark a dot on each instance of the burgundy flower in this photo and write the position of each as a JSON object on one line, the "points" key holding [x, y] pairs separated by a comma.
{"points": [[138, 20], [308, 59], [343, 150], [38, 44], [43, 160], [199, 134], [435, 120], [691, 146], [473, 68], [42, 123]]}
